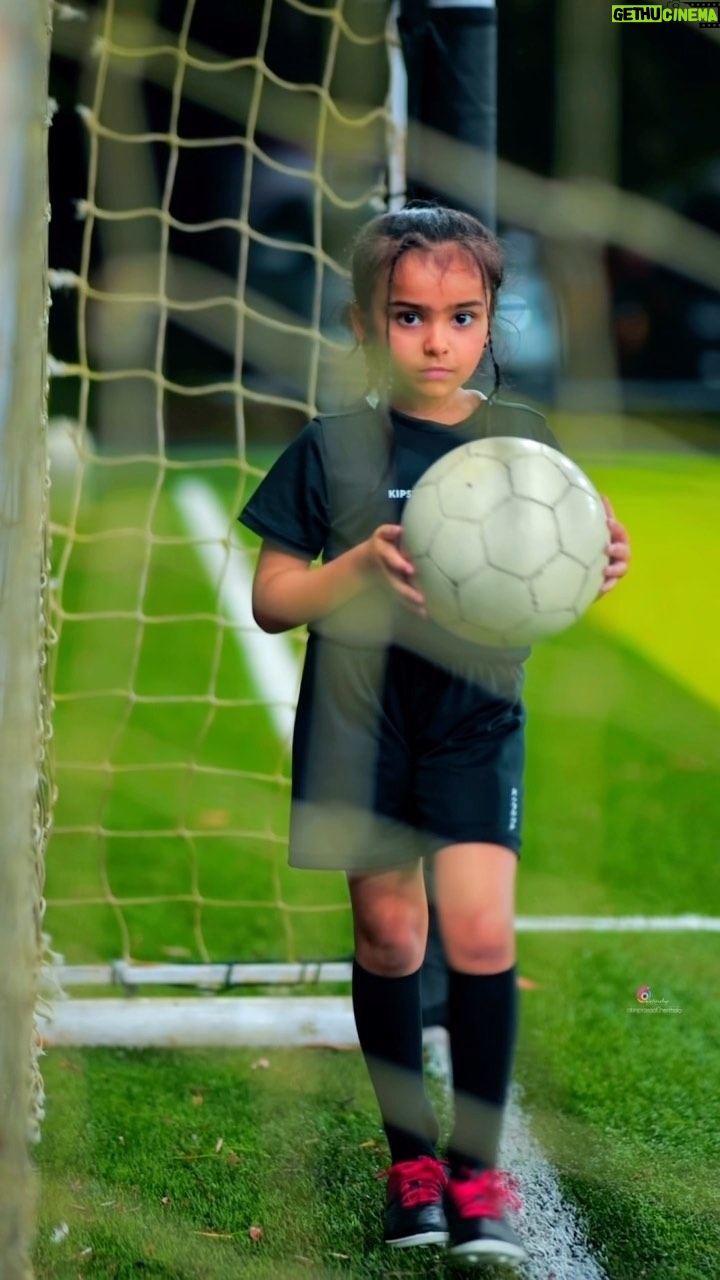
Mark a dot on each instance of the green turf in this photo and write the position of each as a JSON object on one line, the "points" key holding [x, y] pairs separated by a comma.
{"points": [[205, 819], [201, 1143], [161, 1163], [622, 762], [171, 861], [670, 615], [623, 1102]]}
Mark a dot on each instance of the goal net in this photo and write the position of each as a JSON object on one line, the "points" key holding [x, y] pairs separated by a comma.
{"points": [[197, 323], [199, 285]]}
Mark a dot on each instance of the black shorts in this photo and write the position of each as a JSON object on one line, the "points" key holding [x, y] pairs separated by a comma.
{"points": [[395, 758]]}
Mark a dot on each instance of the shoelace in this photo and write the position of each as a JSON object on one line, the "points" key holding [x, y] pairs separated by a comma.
{"points": [[416, 1182], [486, 1196]]}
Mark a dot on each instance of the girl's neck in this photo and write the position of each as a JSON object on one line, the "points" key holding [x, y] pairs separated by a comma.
{"points": [[463, 405]]}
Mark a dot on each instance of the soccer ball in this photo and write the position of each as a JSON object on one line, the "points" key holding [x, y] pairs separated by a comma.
{"points": [[508, 540]]}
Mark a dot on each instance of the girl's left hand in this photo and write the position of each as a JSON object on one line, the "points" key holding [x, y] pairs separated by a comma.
{"points": [[618, 549]]}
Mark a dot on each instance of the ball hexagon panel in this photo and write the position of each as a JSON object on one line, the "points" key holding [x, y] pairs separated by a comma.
{"points": [[473, 488], [580, 480], [521, 537], [494, 600], [582, 523], [441, 596], [593, 582], [538, 477], [422, 518], [458, 550], [559, 585]]}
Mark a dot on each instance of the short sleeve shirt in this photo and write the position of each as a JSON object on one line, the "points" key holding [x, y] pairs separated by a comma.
{"points": [[290, 508], [321, 497], [345, 475]]}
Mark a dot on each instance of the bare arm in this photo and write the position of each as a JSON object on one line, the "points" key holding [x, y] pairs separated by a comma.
{"points": [[288, 591]]}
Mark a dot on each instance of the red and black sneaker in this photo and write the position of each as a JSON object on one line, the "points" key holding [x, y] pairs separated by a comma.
{"points": [[476, 1204], [415, 1203]]}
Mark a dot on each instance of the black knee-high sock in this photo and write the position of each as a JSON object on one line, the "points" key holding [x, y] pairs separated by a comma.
{"points": [[482, 1022], [389, 1026]]}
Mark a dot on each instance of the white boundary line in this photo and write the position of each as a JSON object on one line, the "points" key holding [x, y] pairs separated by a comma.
{"points": [[550, 1227], [272, 663], [618, 924]]}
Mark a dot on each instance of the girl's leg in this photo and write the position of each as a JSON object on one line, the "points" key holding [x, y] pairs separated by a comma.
{"points": [[390, 923], [475, 892], [390, 917], [475, 886]]}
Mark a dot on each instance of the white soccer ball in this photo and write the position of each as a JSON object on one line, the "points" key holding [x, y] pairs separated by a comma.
{"points": [[508, 540]]}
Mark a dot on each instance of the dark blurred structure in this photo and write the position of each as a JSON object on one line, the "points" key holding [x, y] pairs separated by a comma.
{"points": [[450, 57], [665, 328]]}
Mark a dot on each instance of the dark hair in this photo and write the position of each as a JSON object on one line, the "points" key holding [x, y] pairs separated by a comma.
{"points": [[381, 243]]}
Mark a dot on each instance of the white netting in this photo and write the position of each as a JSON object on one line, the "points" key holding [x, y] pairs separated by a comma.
{"points": [[222, 185], [231, 151]]}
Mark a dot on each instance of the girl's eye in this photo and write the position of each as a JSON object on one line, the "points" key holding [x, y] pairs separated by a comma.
{"points": [[464, 318], [408, 318]]}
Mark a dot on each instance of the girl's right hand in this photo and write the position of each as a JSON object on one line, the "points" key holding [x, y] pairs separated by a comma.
{"points": [[385, 557]]}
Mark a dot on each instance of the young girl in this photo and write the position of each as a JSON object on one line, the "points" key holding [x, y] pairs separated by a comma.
{"points": [[408, 742]]}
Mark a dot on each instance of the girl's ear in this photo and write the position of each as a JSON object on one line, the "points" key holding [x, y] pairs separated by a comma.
{"points": [[357, 324]]}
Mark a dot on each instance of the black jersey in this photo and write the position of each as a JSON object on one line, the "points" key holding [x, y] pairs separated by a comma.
{"points": [[348, 473]]}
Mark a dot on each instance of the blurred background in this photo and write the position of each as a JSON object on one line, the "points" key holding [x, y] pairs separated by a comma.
{"points": [[589, 322]]}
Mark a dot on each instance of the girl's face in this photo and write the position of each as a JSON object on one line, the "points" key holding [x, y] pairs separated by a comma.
{"points": [[436, 325]]}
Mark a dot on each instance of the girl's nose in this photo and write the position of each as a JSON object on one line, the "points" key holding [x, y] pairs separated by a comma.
{"points": [[436, 340]]}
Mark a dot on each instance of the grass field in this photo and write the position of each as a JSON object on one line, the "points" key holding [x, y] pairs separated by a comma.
{"points": [[169, 844]]}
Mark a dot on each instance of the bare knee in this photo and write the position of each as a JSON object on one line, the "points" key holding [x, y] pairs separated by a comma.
{"points": [[390, 938], [475, 893], [478, 941]]}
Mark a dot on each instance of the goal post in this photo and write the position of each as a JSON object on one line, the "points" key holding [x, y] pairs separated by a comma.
{"points": [[24, 41]]}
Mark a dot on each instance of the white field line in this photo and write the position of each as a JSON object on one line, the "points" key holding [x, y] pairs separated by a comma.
{"points": [[618, 924], [272, 663], [310, 973], [550, 1228], [550, 1225]]}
